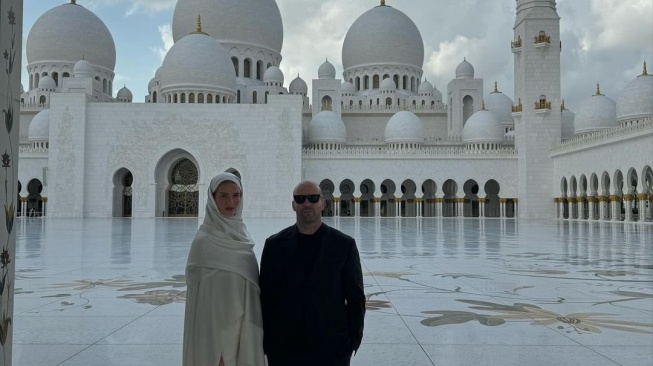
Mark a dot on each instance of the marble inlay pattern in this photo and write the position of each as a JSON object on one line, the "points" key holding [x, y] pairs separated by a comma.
{"points": [[439, 291]]}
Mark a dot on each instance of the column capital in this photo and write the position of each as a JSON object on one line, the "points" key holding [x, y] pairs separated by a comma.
{"points": [[377, 199], [615, 198], [591, 199], [357, 199], [571, 199], [628, 197], [503, 200], [482, 199], [336, 199], [23, 199], [439, 200], [44, 199], [642, 197], [581, 199], [419, 200], [603, 198]]}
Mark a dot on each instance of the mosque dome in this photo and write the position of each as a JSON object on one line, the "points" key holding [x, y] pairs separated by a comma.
{"points": [[500, 105], [404, 127], [254, 23], [596, 113], [636, 100], [68, 33], [388, 84], [82, 69], [198, 62], [567, 127], [327, 127], [273, 75], [464, 70], [425, 88], [298, 86], [124, 95], [39, 127], [47, 83], [437, 95], [482, 127], [347, 88], [379, 26], [326, 71]]}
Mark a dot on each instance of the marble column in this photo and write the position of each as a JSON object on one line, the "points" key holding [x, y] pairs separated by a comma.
{"points": [[377, 207], [642, 207], [398, 207], [419, 207], [336, 206], [603, 207], [438, 206], [481, 206], [502, 207], [357, 206], [23, 205], [460, 205], [11, 45], [573, 208], [616, 213], [628, 203], [516, 204], [591, 201], [45, 202], [581, 208]]}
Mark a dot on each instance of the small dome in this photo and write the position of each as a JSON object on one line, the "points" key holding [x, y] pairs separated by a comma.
{"points": [[83, 69], [437, 95], [198, 62], [567, 127], [425, 88], [326, 71], [596, 113], [379, 26], [636, 100], [298, 86], [510, 134], [273, 75], [39, 127], [124, 95], [404, 127], [482, 127], [327, 127], [70, 32], [500, 105], [465, 70], [388, 84], [347, 88], [47, 82]]}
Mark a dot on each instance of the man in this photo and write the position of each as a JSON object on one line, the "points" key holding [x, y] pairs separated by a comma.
{"points": [[311, 289]]}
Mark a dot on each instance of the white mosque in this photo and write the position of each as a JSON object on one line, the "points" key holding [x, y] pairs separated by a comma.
{"points": [[381, 141]]}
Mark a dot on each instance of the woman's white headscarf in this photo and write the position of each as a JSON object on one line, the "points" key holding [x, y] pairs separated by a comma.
{"points": [[222, 242]]}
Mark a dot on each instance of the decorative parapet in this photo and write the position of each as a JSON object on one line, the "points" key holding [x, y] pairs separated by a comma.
{"points": [[542, 38], [518, 108], [645, 124], [542, 104], [384, 152], [30, 151]]}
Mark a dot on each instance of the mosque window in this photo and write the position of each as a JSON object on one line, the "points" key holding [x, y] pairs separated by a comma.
{"points": [[377, 101], [191, 98], [44, 73], [412, 84], [175, 99], [237, 97], [110, 87], [375, 82], [254, 97], [366, 82], [247, 68], [235, 62], [42, 100], [358, 83], [259, 70], [396, 80], [468, 108], [224, 100], [405, 83], [414, 104], [266, 97], [153, 97], [388, 102], [104, 85], [326, 103], [423, 103], [542, 103], [209, 98], [351, 103], [36, 80], [385, 76], [55, 77], [97, 78], [360, 104], [183, 98]]}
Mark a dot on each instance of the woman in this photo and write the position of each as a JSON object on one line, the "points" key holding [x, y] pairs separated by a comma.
{"points": [[223, 324]]}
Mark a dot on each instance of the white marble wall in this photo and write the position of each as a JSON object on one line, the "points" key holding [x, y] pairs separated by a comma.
{"points": [[90, 142]]}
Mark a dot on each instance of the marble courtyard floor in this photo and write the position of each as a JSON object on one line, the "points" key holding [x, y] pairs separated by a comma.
{"points": [[440, 291]]}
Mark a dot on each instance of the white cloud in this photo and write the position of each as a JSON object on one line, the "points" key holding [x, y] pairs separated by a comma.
{"points": [[165, 31]]}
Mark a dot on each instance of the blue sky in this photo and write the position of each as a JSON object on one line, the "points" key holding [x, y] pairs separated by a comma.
{"points": [[604, 41]]}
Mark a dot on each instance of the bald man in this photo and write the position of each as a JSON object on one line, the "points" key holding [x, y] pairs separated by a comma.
{"points": [[311, 289]]}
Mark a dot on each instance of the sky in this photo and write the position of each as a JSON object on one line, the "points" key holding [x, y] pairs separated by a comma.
{"points": [[604, 41]]}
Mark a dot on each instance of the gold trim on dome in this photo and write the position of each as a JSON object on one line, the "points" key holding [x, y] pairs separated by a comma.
{"points": [[644, 72]]}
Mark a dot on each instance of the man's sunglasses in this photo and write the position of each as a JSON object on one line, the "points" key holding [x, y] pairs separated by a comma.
{"points": [[301, 198]]}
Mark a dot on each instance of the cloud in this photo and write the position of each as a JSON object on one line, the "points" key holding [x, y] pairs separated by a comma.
{"points": [[134, 6], [165, 31]]}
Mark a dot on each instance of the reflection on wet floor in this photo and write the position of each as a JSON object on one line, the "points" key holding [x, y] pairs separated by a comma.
{"points": [[440, 291]]}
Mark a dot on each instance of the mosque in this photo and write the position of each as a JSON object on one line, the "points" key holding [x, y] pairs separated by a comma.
{"points": [[381, 141]]}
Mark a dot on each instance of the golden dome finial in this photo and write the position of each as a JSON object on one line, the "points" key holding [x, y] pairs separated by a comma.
{"points": [[496, 89], [562, 106], [382, 2], [598, 89], [644, 72], [483, 105], [199, 26]]}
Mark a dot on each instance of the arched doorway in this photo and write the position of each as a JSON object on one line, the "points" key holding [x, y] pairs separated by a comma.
{"points": [[408, 199], [367, 198], [122, 193], [388, 206], [327, 188], [347, 188], [183, 192], [492, 201], [429, 208], [449, 188], [19, 203], [34, 199], [471, 204]]}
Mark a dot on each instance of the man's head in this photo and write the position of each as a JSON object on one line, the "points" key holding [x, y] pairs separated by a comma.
{"points": [[308, 203]]}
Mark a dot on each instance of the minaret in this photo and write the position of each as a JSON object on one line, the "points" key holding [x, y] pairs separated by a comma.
{"points": [[536, 47]]}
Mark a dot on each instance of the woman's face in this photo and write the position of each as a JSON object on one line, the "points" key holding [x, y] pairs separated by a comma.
{"points": [[227, 197]]}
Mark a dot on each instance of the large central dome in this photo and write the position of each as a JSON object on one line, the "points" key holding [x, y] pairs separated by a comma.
{"points": [[247, 22], [382, 36], [70, 33]]}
